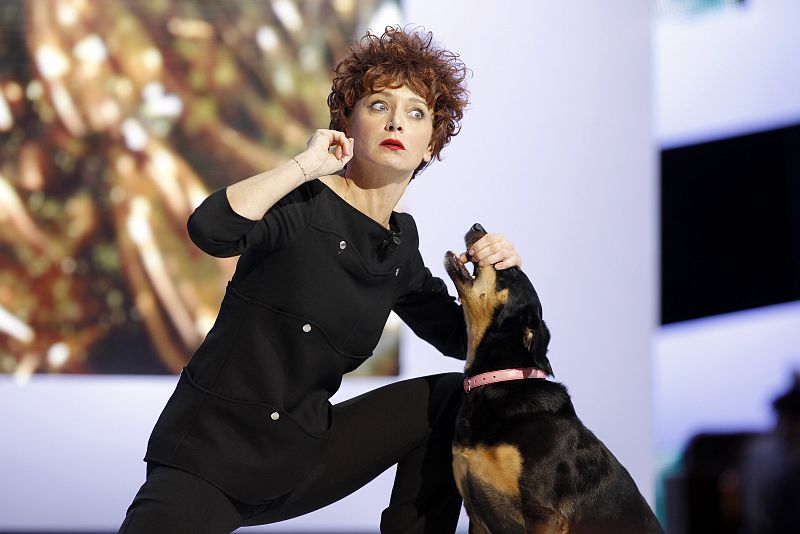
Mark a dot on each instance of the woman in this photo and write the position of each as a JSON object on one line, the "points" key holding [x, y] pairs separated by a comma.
{"points": [[249, 436]]}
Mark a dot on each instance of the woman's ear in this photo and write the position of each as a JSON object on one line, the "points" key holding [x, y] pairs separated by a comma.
{"points": [[428, 153], [344, 127]]}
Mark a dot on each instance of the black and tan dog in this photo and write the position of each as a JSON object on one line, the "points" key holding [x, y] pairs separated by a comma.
{"points": [[522, 459]]}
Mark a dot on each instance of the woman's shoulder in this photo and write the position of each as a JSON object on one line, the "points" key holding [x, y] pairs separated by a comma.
{"points": [[405, 221], [406, 228], [330, 182]]}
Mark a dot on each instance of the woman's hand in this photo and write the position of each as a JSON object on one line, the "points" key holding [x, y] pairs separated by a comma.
{"points": [[327, 152], [493, 249]]}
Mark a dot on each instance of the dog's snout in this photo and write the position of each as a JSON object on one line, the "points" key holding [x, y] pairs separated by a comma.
{"points": [[476, 231]]}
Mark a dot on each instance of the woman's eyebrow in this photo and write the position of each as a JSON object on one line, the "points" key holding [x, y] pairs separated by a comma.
{"points": [[421, 101]]}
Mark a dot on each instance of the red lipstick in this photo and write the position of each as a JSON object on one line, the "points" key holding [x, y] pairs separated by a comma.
{"points": [[393, 144]]}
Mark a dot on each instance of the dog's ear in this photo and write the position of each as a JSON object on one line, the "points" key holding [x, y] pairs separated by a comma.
{"points": [[536, 338], [528, 319], [518, 309]]}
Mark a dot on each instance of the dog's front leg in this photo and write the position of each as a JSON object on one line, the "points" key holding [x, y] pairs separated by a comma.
{"points": [[477, 528], [553, 523]]}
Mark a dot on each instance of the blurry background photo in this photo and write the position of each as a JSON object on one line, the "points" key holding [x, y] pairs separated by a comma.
{"points": [[117, 118]]}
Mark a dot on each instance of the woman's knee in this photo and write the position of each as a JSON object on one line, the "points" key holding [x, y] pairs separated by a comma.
{"points": [[445, 397], [174, 501]]}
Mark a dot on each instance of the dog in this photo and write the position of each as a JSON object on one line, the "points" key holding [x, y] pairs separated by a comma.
{"points": [[522, 460]]}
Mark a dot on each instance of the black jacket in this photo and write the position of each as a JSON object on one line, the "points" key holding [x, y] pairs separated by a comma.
{"points": [[312, 290]]}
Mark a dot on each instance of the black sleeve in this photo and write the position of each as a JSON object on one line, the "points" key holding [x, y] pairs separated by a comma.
{"points": [[219, 231], [429, 310]]}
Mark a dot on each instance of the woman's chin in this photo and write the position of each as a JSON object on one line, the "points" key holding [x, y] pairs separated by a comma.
{"points": [[385, 166]]}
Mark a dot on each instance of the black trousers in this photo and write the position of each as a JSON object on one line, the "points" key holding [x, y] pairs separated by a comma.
{"points": [[408, 423]]}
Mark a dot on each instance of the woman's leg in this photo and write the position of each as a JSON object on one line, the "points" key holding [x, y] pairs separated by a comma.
{"points": [[172, 501], [409, 423]]}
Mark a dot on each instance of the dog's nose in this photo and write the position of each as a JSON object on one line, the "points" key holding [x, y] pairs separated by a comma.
{"points": [[478, 228]]}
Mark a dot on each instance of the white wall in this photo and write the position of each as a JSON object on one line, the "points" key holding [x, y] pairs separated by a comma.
{"points": [[720, 374], [556, 153]]}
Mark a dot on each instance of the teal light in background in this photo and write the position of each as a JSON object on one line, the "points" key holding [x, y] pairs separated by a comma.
{"points": [[663, 9]]}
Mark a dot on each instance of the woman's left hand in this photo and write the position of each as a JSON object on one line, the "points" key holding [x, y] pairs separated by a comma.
{"points": [[493, 249]]}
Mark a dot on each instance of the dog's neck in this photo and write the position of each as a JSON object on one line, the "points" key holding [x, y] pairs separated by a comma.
{"points": [[504, 351]]}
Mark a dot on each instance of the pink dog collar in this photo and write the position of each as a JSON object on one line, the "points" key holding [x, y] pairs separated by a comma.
{"points": [[501, 376]]}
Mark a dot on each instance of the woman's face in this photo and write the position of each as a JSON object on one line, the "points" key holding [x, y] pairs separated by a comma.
{"points": [[392, 128]]}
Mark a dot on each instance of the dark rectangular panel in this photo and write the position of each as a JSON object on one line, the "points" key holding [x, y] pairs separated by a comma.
{"points": [[730, 224]]}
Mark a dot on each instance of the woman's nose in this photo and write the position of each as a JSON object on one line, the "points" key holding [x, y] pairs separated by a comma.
{"points": [[394, 124]]}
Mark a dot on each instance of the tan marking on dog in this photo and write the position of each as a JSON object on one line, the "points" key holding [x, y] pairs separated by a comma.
{"points": [[479, 301], [498, 467], [460, 469], [528, 338]]}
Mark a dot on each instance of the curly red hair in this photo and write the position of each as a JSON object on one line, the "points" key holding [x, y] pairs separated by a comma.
{"points": [[402, 57]]}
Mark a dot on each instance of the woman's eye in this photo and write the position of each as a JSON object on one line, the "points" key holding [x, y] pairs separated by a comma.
{"points": [[417, 114], [379, 106]]}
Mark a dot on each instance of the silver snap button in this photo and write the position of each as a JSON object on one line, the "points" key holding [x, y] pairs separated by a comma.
{"points": [[306, 328], [274, 416], [342, 245]]}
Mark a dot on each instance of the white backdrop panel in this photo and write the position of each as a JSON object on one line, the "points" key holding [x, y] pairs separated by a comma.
{"points": [[727, 73]]}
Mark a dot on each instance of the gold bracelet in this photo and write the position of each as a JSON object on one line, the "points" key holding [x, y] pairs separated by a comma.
{"points": [[305, 174]]}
